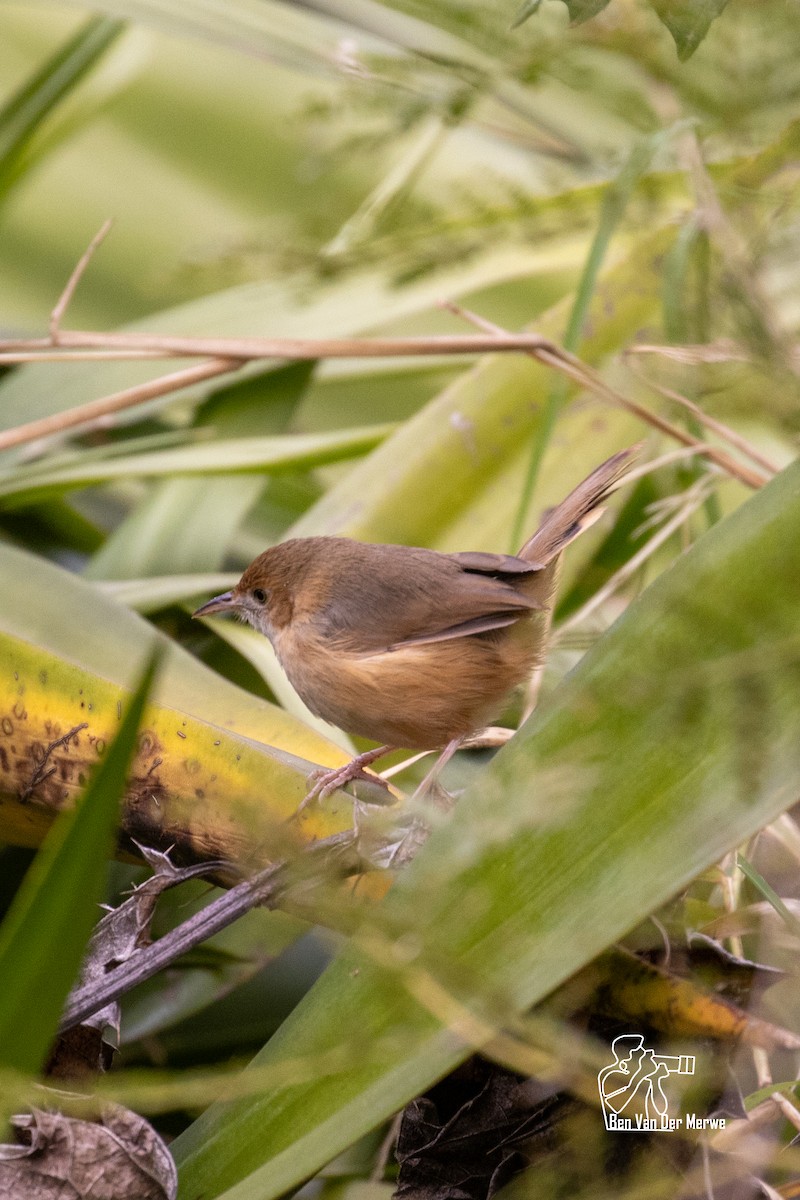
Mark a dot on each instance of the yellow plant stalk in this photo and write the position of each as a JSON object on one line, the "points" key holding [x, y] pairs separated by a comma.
{"points": [[210, 791]]}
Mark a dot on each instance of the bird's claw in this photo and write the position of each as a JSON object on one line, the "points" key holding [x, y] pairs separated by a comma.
{"points": [[328, 780]]}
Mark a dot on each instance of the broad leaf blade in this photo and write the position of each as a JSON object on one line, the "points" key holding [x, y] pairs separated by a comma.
{"points": [[525, 10], [473, 438], [228, 457]]}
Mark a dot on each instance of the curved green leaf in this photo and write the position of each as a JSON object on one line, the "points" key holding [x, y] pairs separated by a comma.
{"points": [[23, 115], [159, 591], [231, 456], [187, 524]]}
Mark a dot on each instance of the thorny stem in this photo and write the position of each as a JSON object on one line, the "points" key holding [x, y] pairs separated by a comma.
{"points": [[263, 888]]}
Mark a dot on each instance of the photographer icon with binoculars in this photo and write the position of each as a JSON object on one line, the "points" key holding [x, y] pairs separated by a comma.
{"points": [[635, 1081]]}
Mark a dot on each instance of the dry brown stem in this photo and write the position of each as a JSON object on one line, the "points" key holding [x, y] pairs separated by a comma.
{"points": [[552, 355], [116, 402]]}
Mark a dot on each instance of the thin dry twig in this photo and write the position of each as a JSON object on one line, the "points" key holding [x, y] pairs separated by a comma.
{"points": [[718, 427], [698, 497], [762, 1066], [230, 354], [490, 738], [227, 354], [731, 878], [787, 1108], [248, 348], [664, 460], [551, 354], [723, 350], [75, 278], [385, 1149], [20, 357], [736, 258], [116, 402]]}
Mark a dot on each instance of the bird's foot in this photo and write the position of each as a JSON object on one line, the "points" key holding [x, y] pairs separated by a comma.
{"points": [[326, 780]]}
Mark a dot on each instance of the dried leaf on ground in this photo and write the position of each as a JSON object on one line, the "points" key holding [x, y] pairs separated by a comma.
{"points": [[62, 1158]]}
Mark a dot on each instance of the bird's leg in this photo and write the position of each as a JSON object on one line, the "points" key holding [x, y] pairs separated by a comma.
{"points": [[328, 779], [433, 774]]}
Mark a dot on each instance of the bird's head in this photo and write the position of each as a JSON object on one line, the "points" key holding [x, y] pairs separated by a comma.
{"points": [[267, 594]]}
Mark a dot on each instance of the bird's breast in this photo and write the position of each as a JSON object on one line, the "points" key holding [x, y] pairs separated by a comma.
{"points": [[419, 697]]}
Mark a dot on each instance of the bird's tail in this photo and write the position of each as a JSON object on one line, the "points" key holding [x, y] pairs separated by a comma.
{"points": [[581, 508]]}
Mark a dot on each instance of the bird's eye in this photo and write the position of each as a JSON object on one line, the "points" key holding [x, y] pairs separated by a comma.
{"points": [[260, 595]]}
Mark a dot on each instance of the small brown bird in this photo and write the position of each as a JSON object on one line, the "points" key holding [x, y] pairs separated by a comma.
{"points": [[405, 646]]}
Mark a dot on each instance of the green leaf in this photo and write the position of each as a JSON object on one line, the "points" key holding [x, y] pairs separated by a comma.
{"points": [[289, 35], [584, 10], [188, 524], [688, 21], [672, 741], [770, 895], [615, 201], [234, 456], [159, 591], [579, 10], [24, 114], [677, 292], [525, 10], [44, 936], [474, 437]]}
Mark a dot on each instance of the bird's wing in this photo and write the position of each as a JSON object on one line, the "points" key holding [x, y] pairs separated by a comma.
{"points": [[428, 597], [482, 563], [497, 620]]}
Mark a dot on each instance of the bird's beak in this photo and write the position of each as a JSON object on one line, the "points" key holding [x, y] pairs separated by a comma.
{"points": [[224, 603]]}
